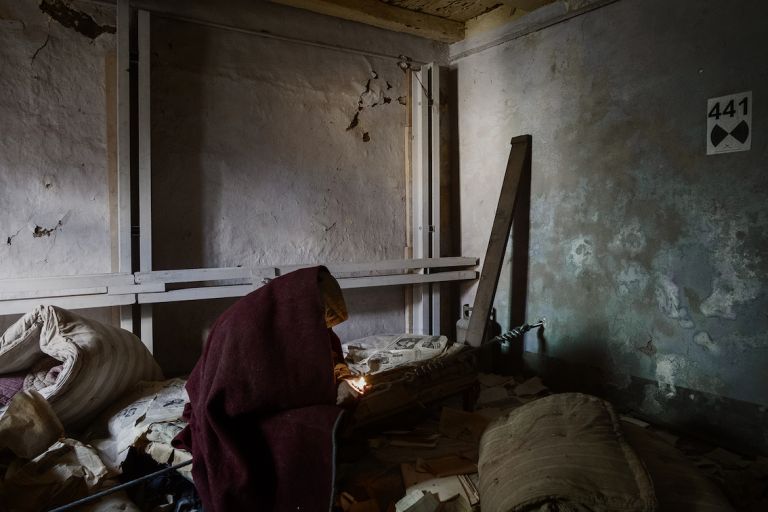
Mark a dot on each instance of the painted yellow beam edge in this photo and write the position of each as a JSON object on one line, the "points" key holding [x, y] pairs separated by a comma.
{"points": [[386, 16]]}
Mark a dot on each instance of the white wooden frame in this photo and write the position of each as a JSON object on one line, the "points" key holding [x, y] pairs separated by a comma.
{"points": [[124, 262], [100, 290], [145, 169], [125, 288], [426, 192]]}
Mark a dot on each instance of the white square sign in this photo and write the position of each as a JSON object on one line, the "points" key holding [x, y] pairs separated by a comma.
{"points": [[729, 123]]}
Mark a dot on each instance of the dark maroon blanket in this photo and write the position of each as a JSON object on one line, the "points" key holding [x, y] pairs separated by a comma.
{"points": [[262, 411]]}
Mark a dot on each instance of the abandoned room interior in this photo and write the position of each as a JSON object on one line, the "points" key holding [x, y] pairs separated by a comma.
{"points": [[383, 255]]}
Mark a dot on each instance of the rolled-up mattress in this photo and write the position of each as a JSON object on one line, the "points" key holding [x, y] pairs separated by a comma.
{"points": [[562, 452], [96, 362]]}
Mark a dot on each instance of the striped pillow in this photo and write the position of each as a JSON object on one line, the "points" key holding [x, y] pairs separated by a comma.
{"points": [[99, 362]]}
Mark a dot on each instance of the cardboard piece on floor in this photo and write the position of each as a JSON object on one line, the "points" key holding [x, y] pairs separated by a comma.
{"points": [[457, 504], [668, 437], [447, 466], [490, 380], [415, 439], [365, 506], [413, 475], [348, 503], [492, 395], [465, 426], [532, 386], [345, 500], [727, 459]]}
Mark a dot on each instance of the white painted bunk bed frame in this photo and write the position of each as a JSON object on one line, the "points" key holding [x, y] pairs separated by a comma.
{"points": [[424, 271]]}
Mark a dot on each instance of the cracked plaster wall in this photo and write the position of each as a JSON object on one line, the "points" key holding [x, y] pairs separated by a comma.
{"points": [[253, 160], [54, 158], [267, 152], [646, 256]]}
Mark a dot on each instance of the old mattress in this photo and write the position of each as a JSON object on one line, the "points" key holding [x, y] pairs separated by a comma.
{"points": [[561, 452], [79, 365]]}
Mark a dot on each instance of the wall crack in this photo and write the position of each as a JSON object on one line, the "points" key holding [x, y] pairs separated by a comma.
{"points": [[9, 241], [45, 43]]}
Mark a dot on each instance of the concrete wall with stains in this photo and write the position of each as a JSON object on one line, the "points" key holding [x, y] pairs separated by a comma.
{"points": [[55, 154], [646, 256], [265, 151], [271, 152]]}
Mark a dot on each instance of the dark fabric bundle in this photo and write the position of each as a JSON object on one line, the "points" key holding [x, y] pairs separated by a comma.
{"points": [[262, 411]]}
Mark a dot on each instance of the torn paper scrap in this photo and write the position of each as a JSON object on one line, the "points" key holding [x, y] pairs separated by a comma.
{"points": [[29, 425]]}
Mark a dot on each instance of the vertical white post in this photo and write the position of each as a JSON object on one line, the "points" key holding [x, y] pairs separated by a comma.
{"points": [[420, 195], [145, 167], [124, 149], [426, 192], [434, 90]]}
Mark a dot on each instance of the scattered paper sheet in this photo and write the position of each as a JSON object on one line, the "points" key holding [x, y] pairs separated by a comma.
{"points": [[67, 471], [153, 407], [447, 488], [465, 426], [492, 395], [532, 386], [418, 501]]}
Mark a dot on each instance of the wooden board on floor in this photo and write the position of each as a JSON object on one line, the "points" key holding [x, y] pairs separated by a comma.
{"points": [[519, 162]]}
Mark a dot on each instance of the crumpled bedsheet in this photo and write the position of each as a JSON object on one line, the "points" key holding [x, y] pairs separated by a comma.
{"points": [[79, 365]]}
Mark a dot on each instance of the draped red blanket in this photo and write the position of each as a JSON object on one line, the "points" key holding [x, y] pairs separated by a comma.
{"points": [[262, 410]]}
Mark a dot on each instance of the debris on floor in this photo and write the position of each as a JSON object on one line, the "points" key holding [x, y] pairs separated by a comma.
{"points": [[418, 501], [433, 464]]}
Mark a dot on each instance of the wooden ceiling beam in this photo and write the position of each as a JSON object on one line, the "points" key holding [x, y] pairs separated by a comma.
{"points": [[386, 16], [526, 5]]}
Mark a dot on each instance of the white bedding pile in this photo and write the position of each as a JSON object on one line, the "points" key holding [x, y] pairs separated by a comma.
{"points": [[376, 354], [78, 365]]}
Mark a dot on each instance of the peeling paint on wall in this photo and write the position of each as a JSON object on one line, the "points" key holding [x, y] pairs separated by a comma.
{"points": [[581, 255], [53, 152], [39, 231], [736, 280], [68, 17], [668, 369], [703, 340], [632, 279], [668, 299], [374, 94], [649, 349]]}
